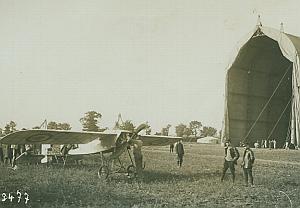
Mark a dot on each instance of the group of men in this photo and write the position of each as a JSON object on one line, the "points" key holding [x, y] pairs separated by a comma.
{"points": [[230, 160], [267, 144], [9, 153]]}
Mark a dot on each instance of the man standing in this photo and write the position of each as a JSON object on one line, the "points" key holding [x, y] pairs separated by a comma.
{"points": [[256, 144], [6, 154], [230, 160], [180, 153], [265, 143], [14, 149], [274, 143], [247, 164], [138, 156], [171, 147]]}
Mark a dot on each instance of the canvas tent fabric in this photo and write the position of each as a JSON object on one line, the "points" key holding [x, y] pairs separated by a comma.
{"points": [[262, 89], [208, 140]]}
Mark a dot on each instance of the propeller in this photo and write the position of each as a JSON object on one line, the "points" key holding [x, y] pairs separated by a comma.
{"points": [[138, 130]]}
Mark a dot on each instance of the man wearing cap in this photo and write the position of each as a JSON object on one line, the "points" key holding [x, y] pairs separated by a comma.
{"points": [[247, 164], [230, 160]]}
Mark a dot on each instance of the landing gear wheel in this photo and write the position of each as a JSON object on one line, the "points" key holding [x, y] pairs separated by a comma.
{"points": [[131, 171], [103, 172]]}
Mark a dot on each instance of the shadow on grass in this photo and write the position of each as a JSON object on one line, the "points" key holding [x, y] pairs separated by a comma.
{"points": [[158, 176], [150, 176]]}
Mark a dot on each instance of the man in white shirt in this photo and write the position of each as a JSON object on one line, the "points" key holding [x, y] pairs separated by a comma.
{"points": [[230, 160]]}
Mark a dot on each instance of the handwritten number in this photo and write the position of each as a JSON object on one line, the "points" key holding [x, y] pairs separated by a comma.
{"points": [[10, 197], [26, 197], [19, 195], [4, 197]]}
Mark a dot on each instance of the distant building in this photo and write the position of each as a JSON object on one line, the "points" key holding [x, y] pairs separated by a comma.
{"points": [[209, 140]]}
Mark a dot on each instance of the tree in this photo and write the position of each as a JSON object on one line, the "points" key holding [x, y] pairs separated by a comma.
{"points": [[182, 130], [10, 127], [209, 131], [6, 129], [127, 125], [195, 127], [90, 120], [64, 126], [179, 129], [58, 126], [165, 131], [187, 132], [52, 125], [148, 129]]}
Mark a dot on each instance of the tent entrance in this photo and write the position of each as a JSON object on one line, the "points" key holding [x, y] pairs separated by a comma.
{"points": [[259, 89]]}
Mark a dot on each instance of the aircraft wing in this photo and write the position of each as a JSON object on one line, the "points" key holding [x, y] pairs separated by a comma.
{"points": [[59, 137], [157, 140]]}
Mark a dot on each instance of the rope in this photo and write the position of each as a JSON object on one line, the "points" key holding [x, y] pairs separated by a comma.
{"points": [[279, 118], [265, 106], [289, 129]]}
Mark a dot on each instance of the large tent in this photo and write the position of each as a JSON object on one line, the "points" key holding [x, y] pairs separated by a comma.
{"points": [[208, 140], [262, 89]]}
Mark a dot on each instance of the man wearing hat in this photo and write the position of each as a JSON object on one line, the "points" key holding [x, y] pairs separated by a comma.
{"points": [[247, 164], [230, 160]]}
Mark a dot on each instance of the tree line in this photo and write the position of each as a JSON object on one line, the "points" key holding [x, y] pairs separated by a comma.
{"points": [[91, 122]]}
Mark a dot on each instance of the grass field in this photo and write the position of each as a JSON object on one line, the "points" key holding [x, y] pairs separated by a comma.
{"points": [[196, 184]]}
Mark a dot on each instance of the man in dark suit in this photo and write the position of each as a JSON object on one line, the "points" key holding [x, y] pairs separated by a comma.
{"points": [[247, 164], [180, 153]]}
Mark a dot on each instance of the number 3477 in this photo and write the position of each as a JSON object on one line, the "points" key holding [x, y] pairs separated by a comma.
{"points": [[18, 197]]}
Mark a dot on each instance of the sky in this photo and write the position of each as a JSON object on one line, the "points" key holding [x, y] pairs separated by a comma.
{"points": [[161, 61]]}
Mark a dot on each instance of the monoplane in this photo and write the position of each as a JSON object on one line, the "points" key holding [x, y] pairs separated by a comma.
{"points": [[76, 145]]}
